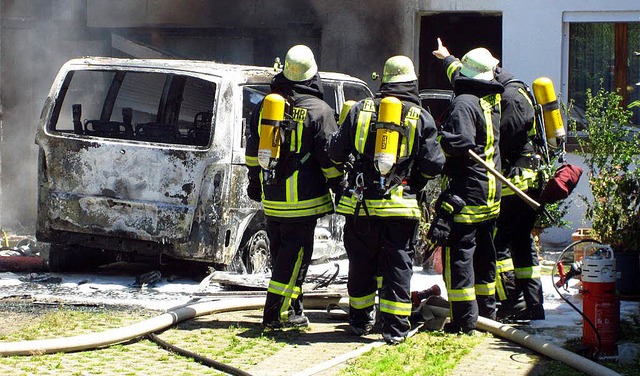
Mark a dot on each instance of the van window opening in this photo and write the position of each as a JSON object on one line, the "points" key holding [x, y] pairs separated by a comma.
{"points": [[137, 106]]}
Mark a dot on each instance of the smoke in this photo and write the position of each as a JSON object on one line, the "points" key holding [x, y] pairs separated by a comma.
{"points": [[38, 36], [358, 37]]}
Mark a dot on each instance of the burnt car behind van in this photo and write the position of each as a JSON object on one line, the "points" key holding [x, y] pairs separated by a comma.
{"points": [[144, 160]]}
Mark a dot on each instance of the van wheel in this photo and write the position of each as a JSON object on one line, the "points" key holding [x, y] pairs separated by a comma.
{"points": [[255, 253]]}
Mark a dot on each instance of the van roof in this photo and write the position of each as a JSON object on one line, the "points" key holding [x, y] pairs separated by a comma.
{"points": [[201, 66]]}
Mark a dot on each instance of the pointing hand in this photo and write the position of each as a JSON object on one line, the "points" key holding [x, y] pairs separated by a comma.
{"points": [[442, 51]]}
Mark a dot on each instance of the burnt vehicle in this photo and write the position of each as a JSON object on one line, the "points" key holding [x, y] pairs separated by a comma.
{"points": [[143, 160]]}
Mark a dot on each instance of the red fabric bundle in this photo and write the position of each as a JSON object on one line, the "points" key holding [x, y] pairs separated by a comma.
{"points": [[562, 184]]}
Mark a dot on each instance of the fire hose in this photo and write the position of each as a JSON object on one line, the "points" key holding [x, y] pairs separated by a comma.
{"points": [[172, 317]]}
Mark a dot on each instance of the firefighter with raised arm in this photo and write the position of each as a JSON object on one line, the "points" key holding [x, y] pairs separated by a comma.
{"points": [[290, 173], [390, 142], [518, 270], [469, 204]]}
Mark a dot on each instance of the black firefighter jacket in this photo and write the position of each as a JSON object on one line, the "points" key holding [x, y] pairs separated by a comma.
{"points": [[473, 123], [516, 126], [300, 188], [420, 157]]}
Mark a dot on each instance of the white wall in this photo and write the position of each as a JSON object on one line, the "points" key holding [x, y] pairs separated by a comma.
{"points": [[533, 29], [535, 44]]}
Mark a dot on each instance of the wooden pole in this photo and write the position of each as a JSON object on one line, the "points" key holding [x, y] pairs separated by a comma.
{"points": [[531, 202]]}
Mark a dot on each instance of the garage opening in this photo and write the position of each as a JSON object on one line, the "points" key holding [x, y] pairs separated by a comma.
{"points": [[459, 32]]}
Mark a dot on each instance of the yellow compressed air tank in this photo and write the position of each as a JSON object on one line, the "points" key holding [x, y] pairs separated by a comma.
{"points": [[545, 95], [270, 131], [346, 107], [386, 151]]}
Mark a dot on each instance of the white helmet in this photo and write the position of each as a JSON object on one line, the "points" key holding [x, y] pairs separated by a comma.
{"points": [[478, 63], [299, 64], [398, 69]]}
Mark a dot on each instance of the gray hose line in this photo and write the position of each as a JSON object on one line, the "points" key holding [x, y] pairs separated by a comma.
{"points": [[174, 316], [534, 343], [118, 335]]}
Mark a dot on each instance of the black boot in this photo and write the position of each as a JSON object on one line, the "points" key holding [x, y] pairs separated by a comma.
{"points": [[508, 309], [535, 312]]}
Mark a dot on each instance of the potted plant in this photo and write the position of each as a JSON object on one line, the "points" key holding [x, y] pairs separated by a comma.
{"points": [[611, 150]]}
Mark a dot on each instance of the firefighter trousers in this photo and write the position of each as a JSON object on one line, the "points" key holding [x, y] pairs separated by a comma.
{"points": [[380, 247], [515, 249], [291, 245], [469, 262]]}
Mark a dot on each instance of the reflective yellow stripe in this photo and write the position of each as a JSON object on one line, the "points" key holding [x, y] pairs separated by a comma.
{"points": [[299, 115], [288, 290], [486, 289], [487, 103], [461, 295], [505, 265], [476, 214], [395, 206], [411, 122], [291, 186], [532, 132], [447, 207], [362, 302], [451, 69], [299, 204], [278, 288], [379, 282], [364, 120], [530, 272], [331, 172], [447, 268], [395, 308], [524, 181], [296, 292], [251, 161], [304, 208], [500, 291]]}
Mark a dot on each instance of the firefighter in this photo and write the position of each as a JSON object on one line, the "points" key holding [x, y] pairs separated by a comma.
{"points": [[518, 269], [391, 144], [469, 204], [290, 173]]}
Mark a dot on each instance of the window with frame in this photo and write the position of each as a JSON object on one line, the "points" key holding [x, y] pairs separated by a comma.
{"points": [[604, 52], [134, 105]]}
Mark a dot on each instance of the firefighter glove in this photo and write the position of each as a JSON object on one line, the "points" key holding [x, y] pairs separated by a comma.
{"points": [[440, 230], [254, 191], [447, 206]]}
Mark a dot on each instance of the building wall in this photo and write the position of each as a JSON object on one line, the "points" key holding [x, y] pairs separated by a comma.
{"points": [[534, 40]]}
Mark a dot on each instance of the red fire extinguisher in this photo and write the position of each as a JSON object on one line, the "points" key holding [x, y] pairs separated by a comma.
{"points": [[601, 305]]}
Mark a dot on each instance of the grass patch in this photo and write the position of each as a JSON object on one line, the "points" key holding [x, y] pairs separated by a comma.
{"points": [[238, 345], [426, 353]]}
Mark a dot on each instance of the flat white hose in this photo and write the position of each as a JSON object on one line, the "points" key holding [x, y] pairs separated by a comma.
{"points": [[176, 315], [126, 333], [534, 343]]}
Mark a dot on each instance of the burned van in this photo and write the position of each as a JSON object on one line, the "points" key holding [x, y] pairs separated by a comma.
{"points": [[144, 160]]}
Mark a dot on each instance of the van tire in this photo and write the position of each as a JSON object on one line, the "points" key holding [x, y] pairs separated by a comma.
{"points": [[256, 254]]}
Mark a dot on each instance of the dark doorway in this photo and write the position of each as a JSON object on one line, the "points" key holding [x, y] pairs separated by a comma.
{"points": [[459, 32]]}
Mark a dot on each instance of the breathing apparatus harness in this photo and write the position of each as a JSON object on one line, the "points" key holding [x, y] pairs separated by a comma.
{"points": [[394, 134], [547, 134], [279, 128]]}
